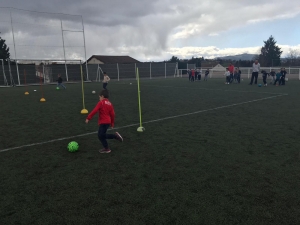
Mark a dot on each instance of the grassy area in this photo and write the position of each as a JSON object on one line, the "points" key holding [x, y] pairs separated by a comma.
{"points": [[235, 161]]}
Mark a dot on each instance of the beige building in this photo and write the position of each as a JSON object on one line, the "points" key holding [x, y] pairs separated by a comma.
{"points": [[105, 59]]}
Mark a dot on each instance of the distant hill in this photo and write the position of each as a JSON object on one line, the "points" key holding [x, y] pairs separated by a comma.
{"points": [[238, 57]]}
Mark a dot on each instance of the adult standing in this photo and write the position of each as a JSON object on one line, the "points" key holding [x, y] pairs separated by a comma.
{"points": [[231, 70], [255, 71]]}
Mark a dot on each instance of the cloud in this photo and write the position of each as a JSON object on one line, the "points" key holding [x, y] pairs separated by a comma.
{"points": [[147, 30]]}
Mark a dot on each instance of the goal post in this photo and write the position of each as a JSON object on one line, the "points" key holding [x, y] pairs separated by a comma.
{"points": [[45, 70]]}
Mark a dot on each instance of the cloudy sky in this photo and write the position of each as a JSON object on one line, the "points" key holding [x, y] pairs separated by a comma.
{"points": [[149, 30]]}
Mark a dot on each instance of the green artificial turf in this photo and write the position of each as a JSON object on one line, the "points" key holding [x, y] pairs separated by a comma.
{"points": [[211, 154]]}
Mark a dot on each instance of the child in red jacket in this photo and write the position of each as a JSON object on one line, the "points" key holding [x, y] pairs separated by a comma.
{"points": [[105, 120]]}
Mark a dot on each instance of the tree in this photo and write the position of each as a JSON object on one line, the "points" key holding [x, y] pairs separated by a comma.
{"points": [[173, 59], [4, 50], [270, 53], [293, 58]]}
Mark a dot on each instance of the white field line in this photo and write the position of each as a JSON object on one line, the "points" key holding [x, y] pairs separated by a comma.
{"points": [[136, 124]]}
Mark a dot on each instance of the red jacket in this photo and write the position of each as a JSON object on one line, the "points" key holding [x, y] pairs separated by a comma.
{"points": [[193, 72], [106, 112], [231, 68]]}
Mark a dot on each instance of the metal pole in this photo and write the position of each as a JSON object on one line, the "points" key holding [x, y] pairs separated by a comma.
{"points": [[299, 73], [44, 73], [11, 83], [135, 71], [97, 73], [4, 77], [118, 72], [12, 30], [18, 72], [87, 70], [150, 71], [63, 42], [248, 73], [165, 70]]}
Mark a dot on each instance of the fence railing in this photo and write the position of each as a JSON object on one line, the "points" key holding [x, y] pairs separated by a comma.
{"points": [[20, 74], [292, 72]]}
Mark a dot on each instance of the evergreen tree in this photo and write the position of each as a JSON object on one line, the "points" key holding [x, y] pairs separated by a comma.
{"points": [[4, 50], [270, 53]]}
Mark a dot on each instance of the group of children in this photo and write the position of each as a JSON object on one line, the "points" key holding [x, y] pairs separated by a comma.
{"points": [[233, 75], [279, 77], [195, 74]]}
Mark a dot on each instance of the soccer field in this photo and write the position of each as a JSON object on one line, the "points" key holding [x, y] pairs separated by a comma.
{"points": [[211, 154]]}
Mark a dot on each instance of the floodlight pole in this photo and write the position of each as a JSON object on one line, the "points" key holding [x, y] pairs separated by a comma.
{"points": [[12, 30], [63, 41], [87, 71]]}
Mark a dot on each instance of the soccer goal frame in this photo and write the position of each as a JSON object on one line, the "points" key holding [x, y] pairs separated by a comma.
{"points": [[44, 70]]}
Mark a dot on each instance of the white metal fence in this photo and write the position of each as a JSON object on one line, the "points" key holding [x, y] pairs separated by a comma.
{"points": [[13, 73], [292, 72]]}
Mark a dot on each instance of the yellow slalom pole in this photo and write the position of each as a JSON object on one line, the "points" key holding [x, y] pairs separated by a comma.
{"points": [[83, 111], [141, 128]]}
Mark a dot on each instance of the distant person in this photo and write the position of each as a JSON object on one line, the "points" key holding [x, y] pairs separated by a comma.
{"points": [[193, 75], [239, 75], [283, 73], [59, 82], [231, 70], [235, 75], [227, 75], [105, 81], [278, 77], [272, 75], [255, 71], [199, 74], [206, 74], [190, 74], [265, 75]]}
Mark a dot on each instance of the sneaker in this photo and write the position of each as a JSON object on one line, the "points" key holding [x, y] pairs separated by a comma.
{"points": [[104, 150], [119, 137]]}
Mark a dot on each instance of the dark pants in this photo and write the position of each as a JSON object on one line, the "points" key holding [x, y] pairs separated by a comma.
{"points": [[231, 77], [254, 75], [282, 81], [190, 76], [102, 135], [238, 78], [193, 78], [228, 79], [104, 85], [265, 79], [199, 77], [277, 79]]}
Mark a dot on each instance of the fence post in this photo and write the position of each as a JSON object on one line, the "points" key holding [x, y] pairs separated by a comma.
{"points": [[150, 71], [44, 73], [299, 73], [18, 72], [289, 70], [248, 73], [118, 72], [165, 70], [67, 77], [10, 75]]}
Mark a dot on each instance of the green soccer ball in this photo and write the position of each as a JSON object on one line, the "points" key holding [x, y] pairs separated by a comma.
{"points": [[57, 88], [73, 146]]}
